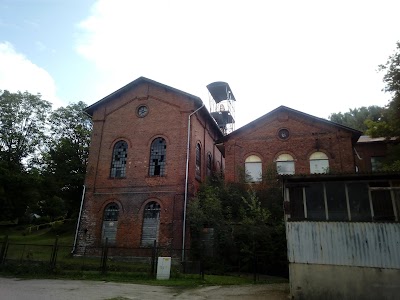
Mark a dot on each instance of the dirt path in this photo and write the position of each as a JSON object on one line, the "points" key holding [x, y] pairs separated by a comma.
{"points": [[38, 289]]}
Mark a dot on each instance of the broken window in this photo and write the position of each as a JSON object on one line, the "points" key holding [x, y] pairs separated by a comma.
{"points": [[158, 152], [198, 161], [118, 164], [209, 164]]}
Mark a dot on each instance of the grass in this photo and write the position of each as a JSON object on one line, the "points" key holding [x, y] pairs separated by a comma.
{"points": [[30, 255]]}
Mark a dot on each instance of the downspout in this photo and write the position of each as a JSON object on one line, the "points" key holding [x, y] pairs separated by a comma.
{"points": [[79, 220], [186, 183]]}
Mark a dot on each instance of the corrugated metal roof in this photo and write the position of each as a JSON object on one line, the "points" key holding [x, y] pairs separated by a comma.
{"points": [[369, 139], [344, 243]]}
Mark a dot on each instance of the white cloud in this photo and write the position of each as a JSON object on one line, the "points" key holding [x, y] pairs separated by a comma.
{"points": [[313, 56], [17, 73]]}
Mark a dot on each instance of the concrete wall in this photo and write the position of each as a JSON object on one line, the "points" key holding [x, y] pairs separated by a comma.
{"points": [[315, 281]]}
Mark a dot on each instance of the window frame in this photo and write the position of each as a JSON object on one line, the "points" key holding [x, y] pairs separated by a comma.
{"points": [[150, 213], [357, 209], [253, 164], [158, 158], [318, 156], [109, 227], [118, 164], [282, 160], [198, 161]]}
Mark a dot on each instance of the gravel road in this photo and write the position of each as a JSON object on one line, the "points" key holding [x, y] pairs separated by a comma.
{"points": [[46, 289]]}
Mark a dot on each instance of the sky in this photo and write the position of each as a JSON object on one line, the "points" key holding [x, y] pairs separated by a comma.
{"points": [[319, 57]]}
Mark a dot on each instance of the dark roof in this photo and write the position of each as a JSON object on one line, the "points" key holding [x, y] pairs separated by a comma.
{"points": [[368, 139], [382, 175], [220, 91], [253, 124], [90, 109]]}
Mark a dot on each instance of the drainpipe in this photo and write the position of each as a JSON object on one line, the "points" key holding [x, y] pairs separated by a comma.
{"points": [[186, 183], [79, 220]]}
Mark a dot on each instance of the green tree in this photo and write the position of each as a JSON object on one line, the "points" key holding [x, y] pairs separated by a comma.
{"points": [[356, 118], [23, 119], [66, 156], [389, 123]]}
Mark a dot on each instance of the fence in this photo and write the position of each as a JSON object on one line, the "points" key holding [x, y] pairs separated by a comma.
{"points": [[135, 261]]}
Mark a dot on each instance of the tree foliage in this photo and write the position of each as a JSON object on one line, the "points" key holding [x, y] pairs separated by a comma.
{"points": [[23, 119], [389, 123], [43, 156], [67, 153], [356, 118]]}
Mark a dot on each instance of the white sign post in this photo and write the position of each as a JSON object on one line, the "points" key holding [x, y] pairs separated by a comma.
{"points": [[163, 268]]}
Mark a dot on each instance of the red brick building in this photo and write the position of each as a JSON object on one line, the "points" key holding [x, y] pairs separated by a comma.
{"points": [[152, 146], [292, 142], [148, 141], [370, 152]]}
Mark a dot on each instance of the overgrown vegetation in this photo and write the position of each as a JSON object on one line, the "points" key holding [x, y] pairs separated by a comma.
{"points": [[245, 222]]}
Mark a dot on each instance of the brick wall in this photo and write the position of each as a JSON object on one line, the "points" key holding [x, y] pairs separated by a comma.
{"points": [[116, 119], [306, 135]]}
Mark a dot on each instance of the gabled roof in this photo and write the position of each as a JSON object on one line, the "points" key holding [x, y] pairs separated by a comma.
{"points": [[197, 100], [356, 133], [90, 109]]}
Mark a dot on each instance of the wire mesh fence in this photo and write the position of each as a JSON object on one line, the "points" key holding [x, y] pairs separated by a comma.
{"points": [[136, 261]]}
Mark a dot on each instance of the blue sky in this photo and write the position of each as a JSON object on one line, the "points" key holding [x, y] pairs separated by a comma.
{"points": [[318, 57]]}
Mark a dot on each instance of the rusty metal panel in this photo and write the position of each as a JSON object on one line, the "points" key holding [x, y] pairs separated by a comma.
{"points": [[344, 243]]}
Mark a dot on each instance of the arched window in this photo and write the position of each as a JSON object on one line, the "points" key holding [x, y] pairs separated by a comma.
{"points": [[253, 168], [285, 164], [209, 164], [151, 223], [158, 151], [198, 160], [110, 223], [319, 163], [118, 164]]}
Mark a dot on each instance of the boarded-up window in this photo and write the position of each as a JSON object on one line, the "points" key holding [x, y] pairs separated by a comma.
{"points": [[319, 163], [110, 223], [158, 153], [151, 223], [253, 168], [285, 164], [118, 164]]}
